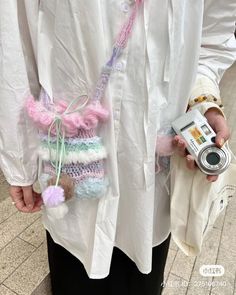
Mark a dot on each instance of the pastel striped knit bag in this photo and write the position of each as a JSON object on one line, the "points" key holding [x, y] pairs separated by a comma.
{"points": [[72, 154]]}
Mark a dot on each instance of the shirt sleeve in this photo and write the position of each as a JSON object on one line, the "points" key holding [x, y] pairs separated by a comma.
{"points": [[18, 78], [218, 48]]}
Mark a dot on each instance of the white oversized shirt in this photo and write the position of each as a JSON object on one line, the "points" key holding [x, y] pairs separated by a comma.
{"points": [[61, 46]]}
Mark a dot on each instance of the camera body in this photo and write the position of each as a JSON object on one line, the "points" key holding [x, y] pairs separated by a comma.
{"points": [[200, 137]]}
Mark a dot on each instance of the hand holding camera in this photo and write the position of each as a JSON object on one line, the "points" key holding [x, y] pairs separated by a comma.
{"points": [[196, 133]]}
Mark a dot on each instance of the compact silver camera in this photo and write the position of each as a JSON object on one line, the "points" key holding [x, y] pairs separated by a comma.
{"points": [[200, 138]]}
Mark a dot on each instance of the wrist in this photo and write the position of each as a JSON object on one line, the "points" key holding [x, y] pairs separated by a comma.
{"points": [[206, 106]]}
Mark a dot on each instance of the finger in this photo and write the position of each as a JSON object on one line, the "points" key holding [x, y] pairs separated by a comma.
{"points": [[190, 162], [180, 145], [20, 205], [176, 139], [36, 195], [221, 138], [36, 207], [219, 124], [38, 201], [15, 193], [17, 197], [28, 196], [212, 178], [222, 131]]}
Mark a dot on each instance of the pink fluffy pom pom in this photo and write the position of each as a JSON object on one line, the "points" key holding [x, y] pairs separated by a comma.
{"points": [[53, 196], [30, 106], [96, 110], [90, 121], [37, 112], [45, 119], [71, 123], [61, 106]]}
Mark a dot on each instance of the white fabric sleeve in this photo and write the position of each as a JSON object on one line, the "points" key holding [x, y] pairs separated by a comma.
{"points": [[218, 48], [203, 107], [18, 78]]}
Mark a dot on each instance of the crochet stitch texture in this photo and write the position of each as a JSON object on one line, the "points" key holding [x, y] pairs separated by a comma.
{"points": [[83, 149], [72, 153]]}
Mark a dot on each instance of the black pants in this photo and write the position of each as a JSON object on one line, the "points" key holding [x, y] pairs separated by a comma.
{"points": [[68, 276]]}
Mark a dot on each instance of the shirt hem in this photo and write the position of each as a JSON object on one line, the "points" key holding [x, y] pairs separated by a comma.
{"points": [[146, 271], [103, 276]]}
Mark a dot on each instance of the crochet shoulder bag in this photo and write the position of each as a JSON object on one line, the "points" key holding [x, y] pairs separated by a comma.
{"points": [[72, 154]]}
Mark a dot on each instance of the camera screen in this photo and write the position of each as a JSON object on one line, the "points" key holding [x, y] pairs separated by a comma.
{"points": [[213, 158], [206, 130]]}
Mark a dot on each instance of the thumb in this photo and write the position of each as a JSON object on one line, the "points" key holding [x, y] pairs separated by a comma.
{"points": [[28, 196], [222, 135], [222, 132], [36, 195], [220, 139], [16, 192], [220, 126]]}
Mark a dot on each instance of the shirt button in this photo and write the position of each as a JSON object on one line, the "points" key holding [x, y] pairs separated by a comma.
{"points": [[125, 7], [119, 66], [117, 115]]}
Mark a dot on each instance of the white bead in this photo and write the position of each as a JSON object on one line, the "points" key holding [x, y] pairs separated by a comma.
{"points": [[125, 7], [119, 66]]}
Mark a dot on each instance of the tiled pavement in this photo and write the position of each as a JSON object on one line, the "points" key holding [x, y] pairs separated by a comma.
{"points": [[23, 259]]}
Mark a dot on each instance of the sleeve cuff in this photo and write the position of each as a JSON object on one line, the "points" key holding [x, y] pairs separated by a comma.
{"points": [[206, 86], [21, 177], [203, 107], [14, 182]]}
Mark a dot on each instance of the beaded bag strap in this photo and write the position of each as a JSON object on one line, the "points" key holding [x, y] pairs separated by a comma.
{"points": [[117, 51]]}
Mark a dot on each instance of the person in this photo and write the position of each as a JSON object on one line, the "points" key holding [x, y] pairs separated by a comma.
{"points": [[175, 56]]}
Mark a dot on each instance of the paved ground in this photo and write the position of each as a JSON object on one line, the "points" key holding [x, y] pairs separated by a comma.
{"points": [[23, 260]]}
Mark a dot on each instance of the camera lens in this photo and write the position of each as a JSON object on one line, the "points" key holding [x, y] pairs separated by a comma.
{"points": [[213, 158]]}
